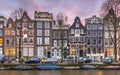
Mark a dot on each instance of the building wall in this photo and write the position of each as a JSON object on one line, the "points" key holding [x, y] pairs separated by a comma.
{"points": [[95, 38], [2, 24], [25, 31], [77, 38], [60, 41], [43, 30], [10, 40]]}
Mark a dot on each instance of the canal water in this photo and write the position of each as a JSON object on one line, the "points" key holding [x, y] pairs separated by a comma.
{"points": [[59, 72]]}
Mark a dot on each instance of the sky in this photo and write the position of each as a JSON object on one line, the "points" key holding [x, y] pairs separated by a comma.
{"points": [[70, 8]]}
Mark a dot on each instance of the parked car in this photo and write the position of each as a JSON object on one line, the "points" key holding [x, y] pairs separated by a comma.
{"points": [[84, 60], [2, 59], [50, 61], [107, 60], [33, 60]]}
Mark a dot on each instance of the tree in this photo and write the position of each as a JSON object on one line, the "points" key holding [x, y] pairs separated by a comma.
{"points": [[17, 14], [112, 8], [61, 22]]}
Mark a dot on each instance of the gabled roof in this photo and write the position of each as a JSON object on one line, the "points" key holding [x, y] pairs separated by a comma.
{"points": [[77, 20], [24, 14]]}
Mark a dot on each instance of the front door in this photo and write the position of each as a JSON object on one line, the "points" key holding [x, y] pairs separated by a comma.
{"points": [[48, 54]]}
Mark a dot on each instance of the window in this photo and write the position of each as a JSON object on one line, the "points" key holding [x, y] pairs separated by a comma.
{"points": [[1, 33], [99, 33], [39, 40], [18, 24], [106, 34], [82, 31], [94, 41], [1, 52], [88, 42], [47, 32], [100, 41], [77, 24], [31, 51], [99, 26], [13, 41], [18, 32], [39, 24], [30, 32], [77, 31], [99, 50], [94, 50], [111, 43], [25, 25], [25, 31], [57, 54], [88, 27], [65, 43], [88, 33], [39, 32], [47, 24], [31, 25], [24, 18], [31, 40], [12, 32], [106, 42], [1, 25], [25, 40], [55, 43], [47, 40], [94, 34], [18, 40], [7, 42], [94, 27], [1, 41], [72, 31], [89, 51]]}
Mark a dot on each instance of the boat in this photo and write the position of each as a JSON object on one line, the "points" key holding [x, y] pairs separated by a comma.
{"points": [[48, 67], [88, 67], [5, 68], [23, 67], [71, 67], [109, 67]]}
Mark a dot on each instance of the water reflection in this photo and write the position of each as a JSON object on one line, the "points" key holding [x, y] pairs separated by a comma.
{"points": [[60, 72]]}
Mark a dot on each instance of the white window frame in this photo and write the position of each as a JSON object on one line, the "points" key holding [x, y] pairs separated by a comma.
{"points": [[47, 41], [39, 25], [39, 32], [47, 25], [39, 41], [47, 32]]}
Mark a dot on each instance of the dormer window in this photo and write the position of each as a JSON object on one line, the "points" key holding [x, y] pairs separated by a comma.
{"points": [[77, 24], [77, 20], [24, 18]]}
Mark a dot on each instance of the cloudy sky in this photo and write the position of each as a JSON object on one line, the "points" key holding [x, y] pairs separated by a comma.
{"points": [[71, 8]]}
